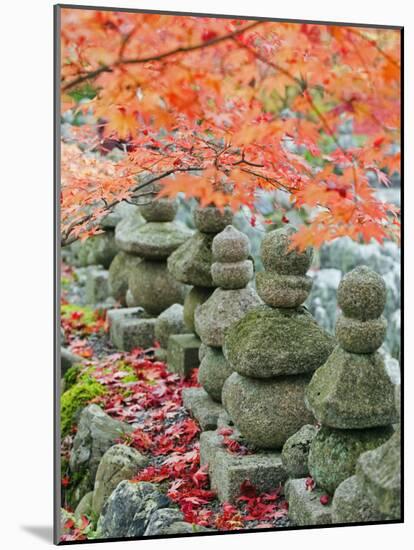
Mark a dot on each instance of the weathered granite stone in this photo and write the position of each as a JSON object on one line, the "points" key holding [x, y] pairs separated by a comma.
{"points": [[131, 328], [68, 359], [170, 321], [154, 288], [351, 504], [197, 295], [284, 291], [233, 275], [119, 271], [159, 210], [360, 336], [295, 451], [202, 351], [182, 354], [352, 391], [126, 229], [182, 528], [129, 509], [84, 508], [129, 299], [333, 453], [380, 474], [230, 245], [267, 412], [220, 311], [97, 286], [210, 219], [191, 262], [270, 342], [96, 432], [157, 240], [305, 507], [362, 294], [202, 407], [277, 256], [161, 520], [228, 471], [96, 250], [213, 372], [118, 463]]}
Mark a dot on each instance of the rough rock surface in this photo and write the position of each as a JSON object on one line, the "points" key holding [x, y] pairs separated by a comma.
{"points": [[191, 262], [128, 510], [360, 336], [118, 463], [210, 219], [305, 507], [362, 294], [270, 342], [97, 431], [197, 295], [284, 291], [232, 275], [159, 210], [276, 256], [154, 288], [334, 453], [220, 311], [126, 230], [161, 520], [213, 372], [267, 412], [170, 321], [352, 391], [96, 250], [119, 271], [351, 504], [202, 407], [295, 451], [230, 245], [157, 240]]}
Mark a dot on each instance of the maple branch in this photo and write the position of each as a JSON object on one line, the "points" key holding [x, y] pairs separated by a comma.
{"points": [[158, 57], [373, 43]]}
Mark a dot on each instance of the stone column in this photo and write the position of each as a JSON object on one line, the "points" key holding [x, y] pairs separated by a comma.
{"points": [[273, 350], [191, 264], [351, 395], [150, 284], [231, 272]]}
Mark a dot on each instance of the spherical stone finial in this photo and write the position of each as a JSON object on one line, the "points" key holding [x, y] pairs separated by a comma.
{"points": [[362, 294], [210, 219], [232, 275], [231, 245], [277, 257]]}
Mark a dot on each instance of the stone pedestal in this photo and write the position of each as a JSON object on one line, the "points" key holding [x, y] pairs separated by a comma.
{"points": [[131, 328], [228, 471], [182, 354], [305, 507], [200, 405]]}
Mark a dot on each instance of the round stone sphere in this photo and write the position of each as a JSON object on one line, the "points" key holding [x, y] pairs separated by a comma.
{"points": [[197, 295], [285, 291], [276, 255], [233, 275], [230, 245], [153, 287], [334, 453], [266, 412], [360, 336], [362, 294], [269, 342], [213, 372], [159, 210], [211, 219]]}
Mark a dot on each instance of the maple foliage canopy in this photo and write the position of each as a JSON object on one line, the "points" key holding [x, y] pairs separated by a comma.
{"points": [[219, 108]]}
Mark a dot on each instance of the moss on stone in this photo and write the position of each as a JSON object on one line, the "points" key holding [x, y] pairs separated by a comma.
{"points": [[119, 271], [71, 376], [75, 398], [191, 262]]}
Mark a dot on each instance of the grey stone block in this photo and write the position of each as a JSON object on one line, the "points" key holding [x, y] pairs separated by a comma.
{"points": [[202, 407], [228, 471], [131, 328], [182, 354], [305, 507], [97, 288]]}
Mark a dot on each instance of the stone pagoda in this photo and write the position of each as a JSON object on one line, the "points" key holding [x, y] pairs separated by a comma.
{"points": [[273, 350], [231, 273], [352, 395], [190, 264], [151, 286]]}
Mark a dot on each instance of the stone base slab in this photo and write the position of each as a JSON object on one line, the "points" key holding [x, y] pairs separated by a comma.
{"points": [[228, 471], [305, 507], [202, 407], [131, 328], [97, 286], [182, 356]]}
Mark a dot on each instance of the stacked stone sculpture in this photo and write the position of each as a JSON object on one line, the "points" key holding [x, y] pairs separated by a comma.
{"points": [[231, 272], [190, 264], [351, 395], [274, 349], [150, 285]]}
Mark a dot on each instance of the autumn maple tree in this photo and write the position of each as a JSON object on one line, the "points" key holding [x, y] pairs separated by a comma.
{"points": [[220, 108]]}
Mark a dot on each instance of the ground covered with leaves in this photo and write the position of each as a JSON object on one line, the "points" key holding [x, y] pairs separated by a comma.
{"points": [[136, 388]]}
